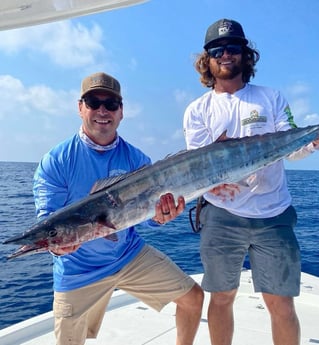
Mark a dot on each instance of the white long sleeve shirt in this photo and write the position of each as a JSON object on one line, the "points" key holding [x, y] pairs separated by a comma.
{"points": [[250, 111]]}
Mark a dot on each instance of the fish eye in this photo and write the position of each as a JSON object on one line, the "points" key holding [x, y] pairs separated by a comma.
{"points": [[52, 233]]}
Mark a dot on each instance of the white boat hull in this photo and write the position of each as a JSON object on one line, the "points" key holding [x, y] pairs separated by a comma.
{"points": [[129, 319], [20, 13]]}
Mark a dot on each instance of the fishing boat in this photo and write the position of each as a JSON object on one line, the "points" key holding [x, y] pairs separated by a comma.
{"points": [[130, 321]]}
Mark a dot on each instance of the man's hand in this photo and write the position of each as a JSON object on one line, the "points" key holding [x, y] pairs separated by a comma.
{"points": [[166, 210]]}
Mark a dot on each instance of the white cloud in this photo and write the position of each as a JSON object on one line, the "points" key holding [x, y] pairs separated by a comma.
{"points": [[299, 88], [182, 97], [131, 109], [34, 118], [149, 140], [311, 119], [34, 99], [178, 134], [300, 106], [302, 112], [133, 64], [74, 45], [300, 103], [66, 43]]}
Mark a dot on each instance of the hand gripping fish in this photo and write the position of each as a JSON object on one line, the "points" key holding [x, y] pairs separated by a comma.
{"points": [[126, 200]]}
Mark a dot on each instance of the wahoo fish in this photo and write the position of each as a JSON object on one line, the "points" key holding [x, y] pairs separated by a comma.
{"points": [[117, 203]]}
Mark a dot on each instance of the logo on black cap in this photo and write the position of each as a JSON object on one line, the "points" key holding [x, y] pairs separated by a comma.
{"points": [[225, 28]]}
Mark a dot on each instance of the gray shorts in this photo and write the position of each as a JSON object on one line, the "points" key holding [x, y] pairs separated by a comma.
{"points": [[271, 243]]}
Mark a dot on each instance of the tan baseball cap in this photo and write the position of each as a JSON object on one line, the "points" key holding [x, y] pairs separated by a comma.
{"points": [[102, 82]]}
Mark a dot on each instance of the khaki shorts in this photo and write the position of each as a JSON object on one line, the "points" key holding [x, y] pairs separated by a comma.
{"points": [[151, 277]]}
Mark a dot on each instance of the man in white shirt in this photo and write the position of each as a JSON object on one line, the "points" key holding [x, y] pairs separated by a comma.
{"points": [[254, 215]]}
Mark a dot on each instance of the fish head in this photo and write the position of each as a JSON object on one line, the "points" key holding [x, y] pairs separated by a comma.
{"points": [[52, 232]]}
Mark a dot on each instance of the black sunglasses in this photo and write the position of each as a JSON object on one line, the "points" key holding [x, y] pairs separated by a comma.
{"points": [[217, 52], [110, 104]]}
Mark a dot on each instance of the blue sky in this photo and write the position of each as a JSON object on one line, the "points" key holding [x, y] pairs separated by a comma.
{"points": [[150, 49]]}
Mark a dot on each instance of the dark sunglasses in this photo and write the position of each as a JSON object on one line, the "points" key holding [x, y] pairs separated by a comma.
{"points": [[110, 104], [217, 52]]}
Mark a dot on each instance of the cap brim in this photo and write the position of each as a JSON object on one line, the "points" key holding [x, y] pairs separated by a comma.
{"points": [[104, 90], [233, 39]]}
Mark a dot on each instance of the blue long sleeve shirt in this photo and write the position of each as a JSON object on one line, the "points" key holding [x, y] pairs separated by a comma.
{"points": [[67, 174]]}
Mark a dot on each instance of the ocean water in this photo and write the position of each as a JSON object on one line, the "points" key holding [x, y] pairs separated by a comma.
{"points": [[26, 283]]}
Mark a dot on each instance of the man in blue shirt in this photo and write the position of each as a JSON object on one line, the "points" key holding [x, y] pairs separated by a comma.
{"points": [[86, 275]]}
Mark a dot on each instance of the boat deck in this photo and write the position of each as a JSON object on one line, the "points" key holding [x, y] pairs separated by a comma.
{"points": [[129, 321]]}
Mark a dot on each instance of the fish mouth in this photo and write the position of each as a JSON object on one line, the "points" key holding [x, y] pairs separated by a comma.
{"points": [[27, 250]]}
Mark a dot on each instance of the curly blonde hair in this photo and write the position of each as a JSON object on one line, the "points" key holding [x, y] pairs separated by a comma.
{"points": [[250, 57]]}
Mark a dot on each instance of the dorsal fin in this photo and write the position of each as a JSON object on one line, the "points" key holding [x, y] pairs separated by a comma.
{"points": [[223, 137], [110, 181]]}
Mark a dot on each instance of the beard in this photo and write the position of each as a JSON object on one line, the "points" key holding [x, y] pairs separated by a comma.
{"points": [[226, 72]]}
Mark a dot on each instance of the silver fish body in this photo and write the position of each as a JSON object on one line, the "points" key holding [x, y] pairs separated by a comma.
{"points": [[118, 203]]}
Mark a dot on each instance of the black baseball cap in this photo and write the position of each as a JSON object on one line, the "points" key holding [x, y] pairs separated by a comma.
{"points": [[224, 29]]}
